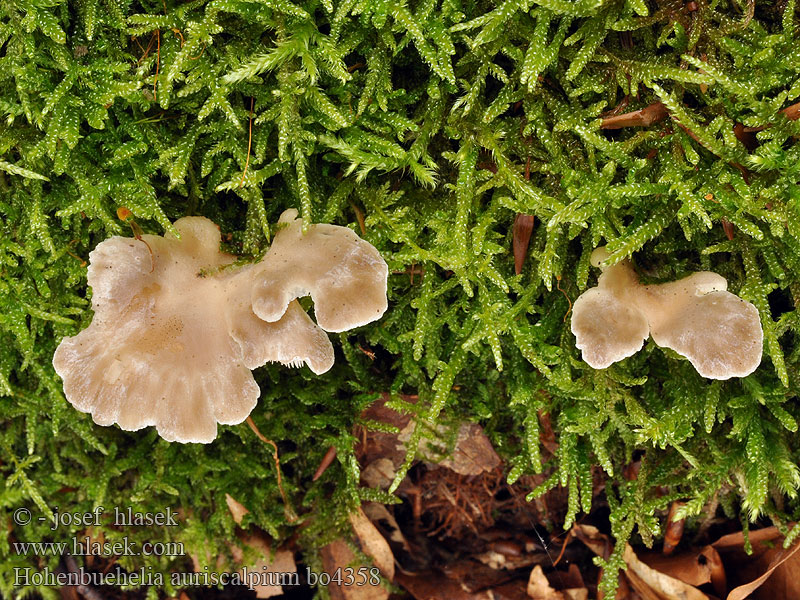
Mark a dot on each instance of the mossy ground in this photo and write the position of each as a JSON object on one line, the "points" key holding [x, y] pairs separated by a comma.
{"points": [[429, 126]]}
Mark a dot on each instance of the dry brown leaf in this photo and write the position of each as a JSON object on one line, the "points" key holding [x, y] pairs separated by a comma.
{"points": [[432, 585], [663, 586], [735, 541], [338, 556], [474, 453], [523, 227], [673, 528], [377, 444], [281, 563], [593, 539], [644, 117], [238, 511], [373, 543], [379, 473], [648, 583], [378, 514], [539, 587], [786, 581], [770, 572], [696, 567], [642, 591]]}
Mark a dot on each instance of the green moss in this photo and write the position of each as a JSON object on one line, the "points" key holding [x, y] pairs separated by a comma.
{"points": [[437, 122]]}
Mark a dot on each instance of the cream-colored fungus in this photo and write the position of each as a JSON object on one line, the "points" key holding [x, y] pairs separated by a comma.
{"points": [[696, 316], [175, 335]]}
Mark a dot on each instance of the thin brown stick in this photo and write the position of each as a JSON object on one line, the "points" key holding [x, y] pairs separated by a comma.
{"points": [[73, 255], [201, 52], [326, 462], [567, 538], [126, 216], [277, 466], [135, 39], [644, 117], [618, 108], [360, 218], [147, 50], [177, 32], [249, 141], [558, 286]]}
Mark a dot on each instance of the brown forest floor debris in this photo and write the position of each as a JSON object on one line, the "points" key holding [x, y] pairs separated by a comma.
{"points": [[462, 532]]}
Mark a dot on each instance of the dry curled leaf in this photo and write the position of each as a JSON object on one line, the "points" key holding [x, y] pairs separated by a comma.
{"points": [[644, 117], [539, 587], [338, 555], [382, 453], [474, 453], [523, 227], [661, 585], [387, 524], [770, 572], [695, 567], [238, 510], [373, 543], [278, 565], [647, 582], [673, 529]]}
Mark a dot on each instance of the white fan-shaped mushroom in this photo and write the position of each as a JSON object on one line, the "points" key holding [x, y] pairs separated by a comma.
{"points": [[696, 316], [344, 275], [175, 333]]}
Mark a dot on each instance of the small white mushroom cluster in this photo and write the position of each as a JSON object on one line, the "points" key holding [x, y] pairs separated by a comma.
{"points": [[717, 331], [175, 334]]}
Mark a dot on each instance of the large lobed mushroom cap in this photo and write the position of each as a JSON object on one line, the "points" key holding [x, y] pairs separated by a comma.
{"points": [[157, 352], [696, 316], [344, 275], [175, 335], [618, 334], [717, 331]]}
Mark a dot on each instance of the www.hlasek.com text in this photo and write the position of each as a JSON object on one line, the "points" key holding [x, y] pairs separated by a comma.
{"points": [[89, 547]]}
